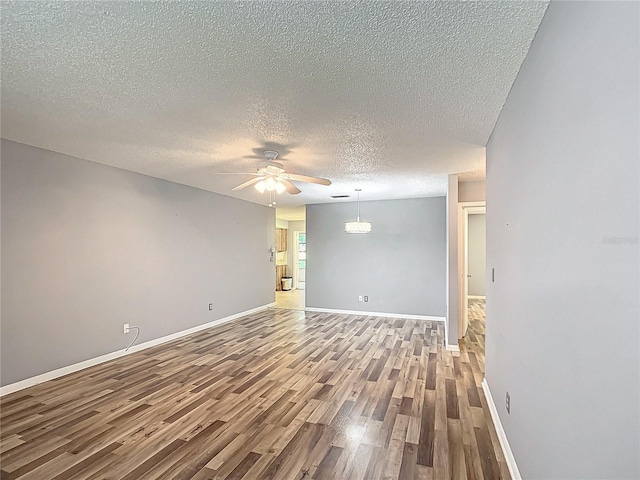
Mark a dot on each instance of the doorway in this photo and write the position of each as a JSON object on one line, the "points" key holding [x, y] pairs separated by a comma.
{"points": [[472, 323], [292, 222]]}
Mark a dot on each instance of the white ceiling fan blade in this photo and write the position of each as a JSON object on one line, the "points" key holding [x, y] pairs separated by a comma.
{"points": [[291, 188], [304, 178], [247, 183]]}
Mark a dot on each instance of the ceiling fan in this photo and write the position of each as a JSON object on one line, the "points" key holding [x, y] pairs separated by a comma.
{"points": [[272, 177]]}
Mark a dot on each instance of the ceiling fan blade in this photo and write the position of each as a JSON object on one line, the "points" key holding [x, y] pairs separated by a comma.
{"points": [[247, 183], [304, 178], [291, 188]]}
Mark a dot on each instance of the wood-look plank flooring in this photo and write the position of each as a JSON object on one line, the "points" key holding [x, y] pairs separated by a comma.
{"points": [[473, 341], [280, 394]]}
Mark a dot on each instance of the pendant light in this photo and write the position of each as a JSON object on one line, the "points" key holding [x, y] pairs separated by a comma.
{"points": [[358, 226]]}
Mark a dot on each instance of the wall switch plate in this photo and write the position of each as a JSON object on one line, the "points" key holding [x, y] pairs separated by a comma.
{"points": [[359, 298], [366, 298], [126, 328], [508, 403], [210, 306]]}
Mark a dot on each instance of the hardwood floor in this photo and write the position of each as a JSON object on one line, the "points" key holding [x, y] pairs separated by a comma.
{"points": [[276, 395], [473, 342]]}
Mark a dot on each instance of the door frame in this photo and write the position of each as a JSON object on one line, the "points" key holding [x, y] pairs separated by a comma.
{"points": [[294, 274], [296, 249], [464, 210]]}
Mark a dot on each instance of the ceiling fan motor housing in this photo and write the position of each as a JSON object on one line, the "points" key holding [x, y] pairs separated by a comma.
{"points": [[270, 155]]}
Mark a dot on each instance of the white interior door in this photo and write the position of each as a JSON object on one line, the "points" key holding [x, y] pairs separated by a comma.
{"points": [[464, 323], [463, 264], [299, 259]]}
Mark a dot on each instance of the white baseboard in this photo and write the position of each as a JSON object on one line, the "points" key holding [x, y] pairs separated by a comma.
{"points": [[375, 314], [502, 436], [453, 348], [44, 377], [477, 297]]}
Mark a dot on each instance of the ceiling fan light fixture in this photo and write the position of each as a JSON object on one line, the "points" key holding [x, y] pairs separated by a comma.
{"points": [[270, 185], [271, 177], [358, 226], [260, 186]]}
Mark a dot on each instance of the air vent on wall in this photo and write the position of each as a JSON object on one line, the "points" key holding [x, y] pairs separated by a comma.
{"points": [[340, 196]]}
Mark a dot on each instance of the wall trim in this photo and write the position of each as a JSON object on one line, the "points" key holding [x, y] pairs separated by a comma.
{"points": [[452, 347], [44, 377], [477, 297], [446, 319], [375, 314], [502, 436]]}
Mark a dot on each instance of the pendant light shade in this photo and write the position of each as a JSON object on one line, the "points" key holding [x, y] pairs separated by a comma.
{"points": [[358, 226], [280, 187], [270, 184]]}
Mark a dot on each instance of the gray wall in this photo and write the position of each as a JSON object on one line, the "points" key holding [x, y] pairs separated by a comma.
{"points": [[87, 248], [477, 266], [562, 234], [401, 265]]}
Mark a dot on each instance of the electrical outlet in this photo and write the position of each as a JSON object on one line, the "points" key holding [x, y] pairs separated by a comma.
{"points": [[210, 306], [126, 328], [508, 403], [359, 298], [366, 298]]}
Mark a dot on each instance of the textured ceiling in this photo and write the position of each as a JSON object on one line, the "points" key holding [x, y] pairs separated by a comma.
{"points": [[389, 97]]}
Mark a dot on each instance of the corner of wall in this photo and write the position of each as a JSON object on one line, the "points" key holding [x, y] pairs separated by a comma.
{"points": [[451, 325]]}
